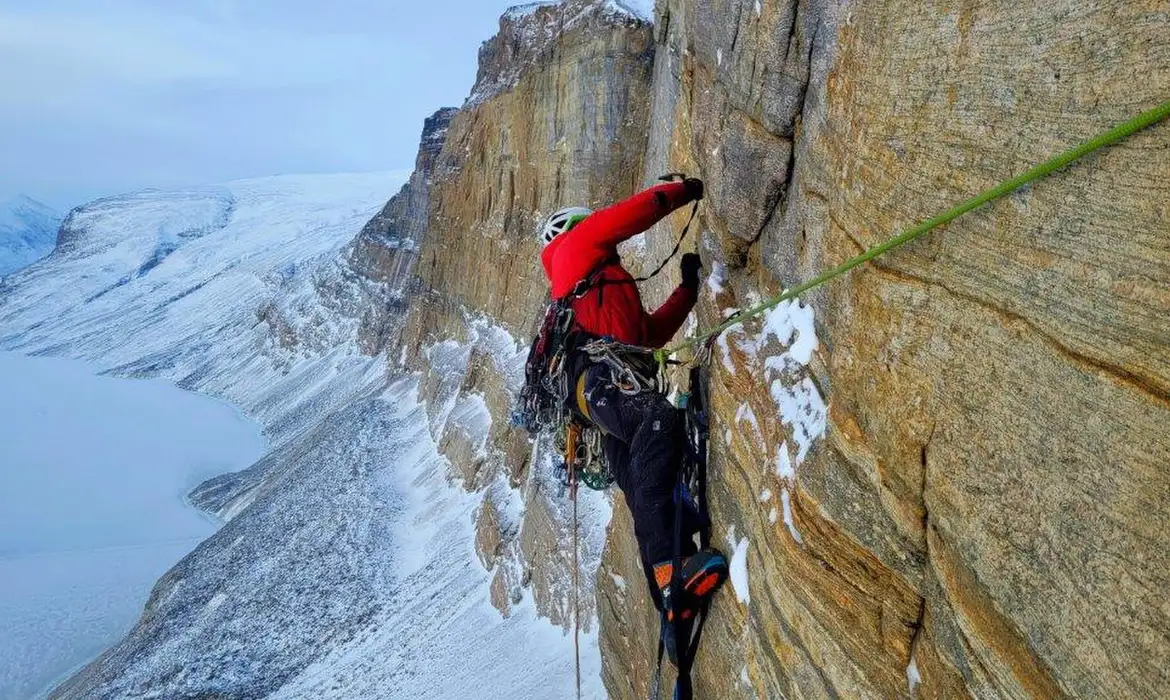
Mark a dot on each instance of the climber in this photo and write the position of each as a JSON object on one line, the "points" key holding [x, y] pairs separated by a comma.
{"points": [[644, 436]]}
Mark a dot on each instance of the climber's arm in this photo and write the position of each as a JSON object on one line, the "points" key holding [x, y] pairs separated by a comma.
{"points": [[610, 226], [668, 318]]}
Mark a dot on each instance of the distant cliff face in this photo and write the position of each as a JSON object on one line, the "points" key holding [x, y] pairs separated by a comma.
{"points": [[387, 246], [385, 251]]}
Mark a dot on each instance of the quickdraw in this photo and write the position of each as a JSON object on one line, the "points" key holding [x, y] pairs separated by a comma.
{"points": [[586, 459]]}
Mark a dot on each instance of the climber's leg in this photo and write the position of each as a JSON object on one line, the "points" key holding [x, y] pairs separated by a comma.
{"points": [[653, 436], [617, 457]]}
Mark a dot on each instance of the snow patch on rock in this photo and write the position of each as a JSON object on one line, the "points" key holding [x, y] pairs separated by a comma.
{"points": [[913, 677], [739, 567], [784, 468], [791, 327], [786, 504]]}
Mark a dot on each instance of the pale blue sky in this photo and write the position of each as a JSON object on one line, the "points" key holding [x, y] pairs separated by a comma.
{"points": [[103, 96]]}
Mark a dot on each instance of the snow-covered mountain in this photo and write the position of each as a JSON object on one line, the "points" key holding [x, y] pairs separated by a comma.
{"points": [[28, 230], [218, 289], [347, 565]]}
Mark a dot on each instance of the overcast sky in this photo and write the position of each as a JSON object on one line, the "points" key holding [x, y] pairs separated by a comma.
{"points": [[105, 96]]}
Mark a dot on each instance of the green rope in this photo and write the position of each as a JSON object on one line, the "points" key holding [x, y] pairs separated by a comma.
{"points": [[1108, 138]]}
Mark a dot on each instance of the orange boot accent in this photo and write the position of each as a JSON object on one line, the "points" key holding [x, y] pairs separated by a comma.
{"points": [[662, 573]]}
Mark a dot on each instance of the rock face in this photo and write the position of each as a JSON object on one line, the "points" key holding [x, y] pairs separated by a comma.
{"points": [[980, 517], [387, 248]]}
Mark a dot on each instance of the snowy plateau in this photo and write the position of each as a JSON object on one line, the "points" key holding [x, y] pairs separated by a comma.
{"points": [[345, 565]]}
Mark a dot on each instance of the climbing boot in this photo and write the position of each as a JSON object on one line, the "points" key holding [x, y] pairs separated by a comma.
{"points": [[702, 574]]}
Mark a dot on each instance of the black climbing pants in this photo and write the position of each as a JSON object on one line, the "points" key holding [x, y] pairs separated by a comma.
{"points": [[644, 448]]}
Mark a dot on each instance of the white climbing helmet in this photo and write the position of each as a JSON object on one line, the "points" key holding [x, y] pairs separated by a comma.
{"points": [[561, 221]]}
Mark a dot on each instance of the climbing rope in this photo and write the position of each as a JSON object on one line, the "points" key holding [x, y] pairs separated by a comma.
{"points": [[1108, 138], [571, 461]]}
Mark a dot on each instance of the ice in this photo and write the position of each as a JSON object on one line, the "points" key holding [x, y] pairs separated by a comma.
{"points": [[508, 354], [218, 287], [351, 522], [641, 9], [801, 407], [434, 634], [717, 278], [519, 12], [725, 353], [472, 417], [93, 471], [792, 324], [745, 414]]}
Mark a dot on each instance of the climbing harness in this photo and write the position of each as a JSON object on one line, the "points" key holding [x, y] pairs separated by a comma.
{"points": [[690, 497], [1108, 138], [633, 369]]}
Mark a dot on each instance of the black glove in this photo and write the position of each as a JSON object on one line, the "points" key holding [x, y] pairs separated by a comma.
{"points": [[689, 266], [694, 188]]}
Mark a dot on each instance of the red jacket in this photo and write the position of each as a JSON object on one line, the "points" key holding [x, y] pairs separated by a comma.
{"points": [[615, 310]]}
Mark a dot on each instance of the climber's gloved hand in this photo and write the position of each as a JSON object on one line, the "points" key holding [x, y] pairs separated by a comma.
{"points": [[689, 266], [694, 187]]}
